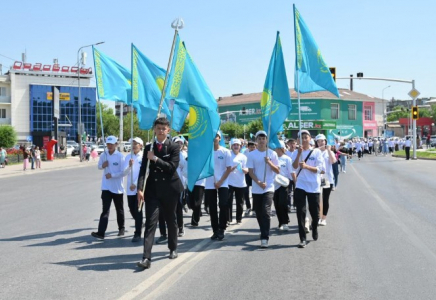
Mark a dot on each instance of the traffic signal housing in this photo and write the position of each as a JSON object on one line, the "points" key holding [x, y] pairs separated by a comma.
{"points": [[415, 113], [333, 72]]}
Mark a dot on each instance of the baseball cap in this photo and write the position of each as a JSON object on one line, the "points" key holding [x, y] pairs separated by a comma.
{"points": [[261, 132], [219, 133], [111, 140], [304, 132], [177, 139], [138, 140], [236, 142], [320, 137], [282, 145]]}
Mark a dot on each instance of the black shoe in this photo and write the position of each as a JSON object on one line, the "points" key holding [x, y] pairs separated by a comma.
{"points": [[194, 225], [96, 235], [145, 263], [238, 222], [162, 239], [302, 244], [121, 232], [181, 232], [315, 234], [173, 254], [136, 238], [214, 236], [220, 235]]}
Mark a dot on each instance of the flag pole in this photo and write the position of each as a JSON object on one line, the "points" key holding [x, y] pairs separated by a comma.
{"points": [[131, 141], [176, 25], [271, 106], [298, 77], [102, 129]]}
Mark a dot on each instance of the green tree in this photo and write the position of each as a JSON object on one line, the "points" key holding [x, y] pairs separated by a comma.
{"points": [[8, 136], [232, 129], [254, 126], [397, 113], [111, 124]]}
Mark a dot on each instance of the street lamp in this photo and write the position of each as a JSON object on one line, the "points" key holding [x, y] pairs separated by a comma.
{"points": [[80, 100], [384, 111]]}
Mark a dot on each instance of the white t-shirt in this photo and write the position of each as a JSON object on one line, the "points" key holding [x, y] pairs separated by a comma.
{"points": [[182, 169], [115, 168], [308, 180], [358, 146], [137, 161], [286, 169], [222, 159], [201, 182], [407, 143], [237, 177], [328, 166], [256, 161]]}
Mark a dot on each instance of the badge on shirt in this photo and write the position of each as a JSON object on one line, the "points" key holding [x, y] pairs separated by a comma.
{"points": [[115, 164]]}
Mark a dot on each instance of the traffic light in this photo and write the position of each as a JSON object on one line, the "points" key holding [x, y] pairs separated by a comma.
{"points": [[415, 113], [333, 72]]}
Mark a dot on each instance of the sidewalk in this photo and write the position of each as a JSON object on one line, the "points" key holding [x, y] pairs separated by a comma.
{"points": [[46, 166]]}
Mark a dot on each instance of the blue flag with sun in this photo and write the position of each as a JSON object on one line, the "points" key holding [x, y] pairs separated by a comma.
{"points": [[311, 72], [276, 100], [112, 79], [188, 88]]}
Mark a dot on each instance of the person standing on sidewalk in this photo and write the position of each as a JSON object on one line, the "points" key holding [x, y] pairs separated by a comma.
{"points": [[38, 157], [162, 189], [263, 183], [310, 164], [132, 164], [2, 157], [112, 187], [407, 145]]}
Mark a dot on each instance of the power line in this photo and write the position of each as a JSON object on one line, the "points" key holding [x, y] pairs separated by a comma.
{"points": [[9, 57]]}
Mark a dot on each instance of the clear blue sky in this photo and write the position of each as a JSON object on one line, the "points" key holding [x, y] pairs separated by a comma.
{"points": [[231, 41]]}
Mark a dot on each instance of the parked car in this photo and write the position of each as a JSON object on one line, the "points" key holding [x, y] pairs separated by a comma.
{"points": [[127, 147], [70, 149], [100, 149]]}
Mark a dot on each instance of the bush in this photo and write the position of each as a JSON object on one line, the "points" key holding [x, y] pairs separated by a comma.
{"points": [[8, 136]]}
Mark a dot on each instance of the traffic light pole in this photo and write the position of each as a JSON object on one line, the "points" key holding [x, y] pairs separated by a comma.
{"points": [[414, 101]]}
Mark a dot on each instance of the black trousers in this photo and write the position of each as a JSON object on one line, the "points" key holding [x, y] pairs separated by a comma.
{"points": [[300, 202], [132, 201], [325, 199], [155, 206], [291, 189], [196, 197], [281, 205], [106, 198], [249, 181], [262, 206], [239, 195], [179, 210], [217, 222], [407, 149]]}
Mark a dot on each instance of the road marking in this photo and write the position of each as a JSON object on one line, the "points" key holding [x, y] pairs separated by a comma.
{"points": [[167, 283], [428, 253]]}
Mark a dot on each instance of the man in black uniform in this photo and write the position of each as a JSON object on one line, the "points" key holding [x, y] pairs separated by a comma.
{"points": [[162, 191]]}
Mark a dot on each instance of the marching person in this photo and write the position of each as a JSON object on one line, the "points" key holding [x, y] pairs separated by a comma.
{"points": [[329, 160], [310, 164], [250, 147], [196, 197], [280, 191], [292, 153], [112, 187], [162, 189], [182, 171], [263, 183], [237, 184], [132, 164], [217, 185]]}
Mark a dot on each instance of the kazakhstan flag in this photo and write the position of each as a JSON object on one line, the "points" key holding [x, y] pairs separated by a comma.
{"points": [[276, 101], [113, 80], [188, 88], [311, 72]]}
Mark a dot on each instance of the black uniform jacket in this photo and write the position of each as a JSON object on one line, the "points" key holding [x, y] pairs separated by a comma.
{"points": [[163, 180]]}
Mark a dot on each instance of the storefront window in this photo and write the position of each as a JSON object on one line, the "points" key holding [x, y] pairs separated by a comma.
{"points": [[335, 111], [368, 113], [351, 112]]}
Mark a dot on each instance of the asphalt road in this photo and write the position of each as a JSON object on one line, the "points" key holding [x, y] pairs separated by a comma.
{"points": [[379, 243]]}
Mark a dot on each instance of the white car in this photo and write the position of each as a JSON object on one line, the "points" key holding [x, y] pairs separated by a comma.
{"points": [[127, 147], [70, 149], [100, 149]]}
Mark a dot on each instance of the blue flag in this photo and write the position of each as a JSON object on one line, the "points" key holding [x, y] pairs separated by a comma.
{"points": [[188, 88], [311, 72], [112, 79], [276, 101]]}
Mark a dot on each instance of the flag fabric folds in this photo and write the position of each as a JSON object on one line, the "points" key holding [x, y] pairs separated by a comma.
{"points": [[276, 100], [188, 88], [311, 72], [112, 79]]}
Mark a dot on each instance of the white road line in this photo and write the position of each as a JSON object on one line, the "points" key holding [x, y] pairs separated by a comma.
{"points": [[425, 250], [184, 257]]}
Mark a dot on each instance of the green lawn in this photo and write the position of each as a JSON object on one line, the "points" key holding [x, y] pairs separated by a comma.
{"points": [[419, 154]]}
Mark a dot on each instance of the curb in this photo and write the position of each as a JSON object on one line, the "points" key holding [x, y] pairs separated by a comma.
{"points": [[417, 158]]}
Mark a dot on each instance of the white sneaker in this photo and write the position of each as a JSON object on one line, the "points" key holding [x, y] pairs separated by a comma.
{"points": [[323, 222], [263, 243], [281, 227], [344, 171], [307, 225], [333, 188], [248, 211], [286, 227]]}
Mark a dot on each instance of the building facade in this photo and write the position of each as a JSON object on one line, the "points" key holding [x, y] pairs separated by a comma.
{"points": [[32, 97], [351, 115]]}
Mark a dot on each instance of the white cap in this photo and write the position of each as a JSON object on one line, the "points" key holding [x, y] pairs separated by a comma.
{"points": [[261, 132], [177, 139], [111, 140], [219, 133], [236, 142], [320, 137], [138, 140], [311, 142], [303, 132], [282, 145]]}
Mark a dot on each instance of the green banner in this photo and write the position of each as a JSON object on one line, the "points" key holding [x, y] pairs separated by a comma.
{"points": [[320, 125]]}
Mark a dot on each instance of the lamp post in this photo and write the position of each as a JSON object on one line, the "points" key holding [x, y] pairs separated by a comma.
{"points": [[384, 111], [80, 100]]}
